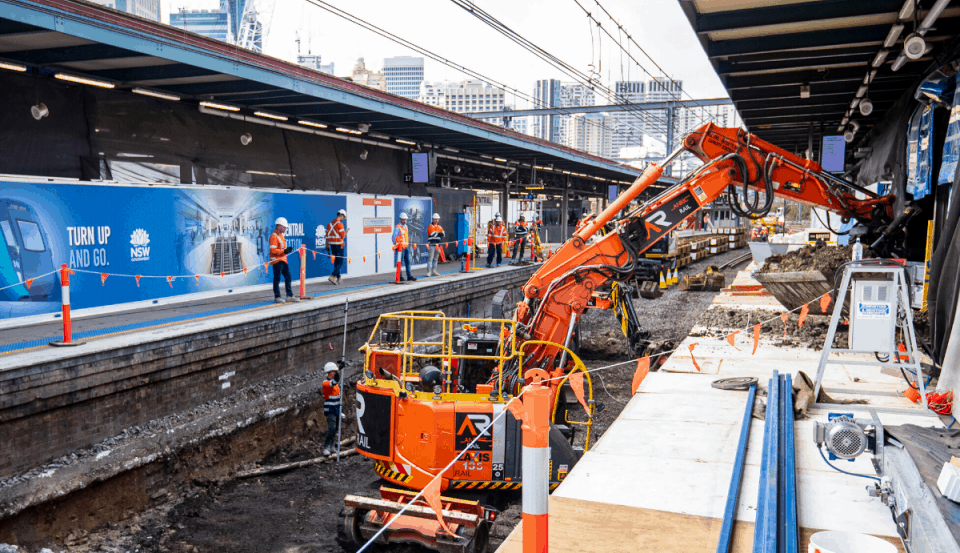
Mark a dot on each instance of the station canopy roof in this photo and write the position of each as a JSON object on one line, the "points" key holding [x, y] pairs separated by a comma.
{"points": [[765, 50], [90, 41]]}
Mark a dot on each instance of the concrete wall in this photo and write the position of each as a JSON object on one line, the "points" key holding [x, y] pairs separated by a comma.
{"points": [[55, 401]]}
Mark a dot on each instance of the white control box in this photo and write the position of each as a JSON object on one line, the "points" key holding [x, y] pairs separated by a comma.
{"points": [[873, 316]]}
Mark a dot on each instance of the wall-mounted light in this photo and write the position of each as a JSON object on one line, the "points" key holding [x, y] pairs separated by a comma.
{"points": [[866, 106], [12, 66], [156, 94], [500, 159], [246, 138], [914, 46], [83, 80], [407, 142], [348, 131]]}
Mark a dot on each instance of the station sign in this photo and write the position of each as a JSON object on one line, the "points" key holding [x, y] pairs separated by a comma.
{"points": [[377, 225], [382, 202]]}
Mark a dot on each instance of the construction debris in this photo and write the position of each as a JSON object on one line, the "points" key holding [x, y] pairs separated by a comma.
{"points": [[711, 280]]}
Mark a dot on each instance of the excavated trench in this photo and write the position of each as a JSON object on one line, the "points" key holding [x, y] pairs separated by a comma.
{"points": [[184, 496]]}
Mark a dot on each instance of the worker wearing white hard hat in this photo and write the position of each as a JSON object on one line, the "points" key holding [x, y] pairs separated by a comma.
{"points": [[331, 405], [278, 258], [435, 236], [336, 243], [496, 236], [401, 243]]}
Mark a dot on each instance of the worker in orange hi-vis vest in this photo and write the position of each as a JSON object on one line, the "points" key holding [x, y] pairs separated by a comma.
{"points": [[520, 239], [331, 406], [336, 243], [401, 241], [278, 257], [434, 237], [496, 238]]}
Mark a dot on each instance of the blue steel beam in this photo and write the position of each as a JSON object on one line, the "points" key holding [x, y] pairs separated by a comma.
{"points": [[733, 494], [66, 54], [127, 32], [765, 528], [791, 539]]}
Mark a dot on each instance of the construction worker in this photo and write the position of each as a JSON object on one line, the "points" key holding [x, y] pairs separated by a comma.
{"points": [[763, 233], [336, 237], [434, 237], [520, 239], [331, 406], [278, 257], [495, 239], [707, 223], [401, 241], [583, 222], [754, 234]]}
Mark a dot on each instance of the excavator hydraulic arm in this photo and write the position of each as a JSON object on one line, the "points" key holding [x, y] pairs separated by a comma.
{"points": [[559, 292]]}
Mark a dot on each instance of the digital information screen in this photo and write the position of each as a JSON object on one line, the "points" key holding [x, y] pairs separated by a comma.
{"points": [[613, 191], [421, 168], [832, 153]]}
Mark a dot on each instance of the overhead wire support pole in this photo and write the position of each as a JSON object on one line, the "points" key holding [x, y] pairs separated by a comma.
{"points": [[343, 360]]}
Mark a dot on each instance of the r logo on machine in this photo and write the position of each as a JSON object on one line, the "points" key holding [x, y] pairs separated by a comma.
{"points": [[139, 250], [374, 412], [469, 425]]}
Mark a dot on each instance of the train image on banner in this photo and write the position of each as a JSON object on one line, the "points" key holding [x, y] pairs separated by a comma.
{"points": [[27, 255]]}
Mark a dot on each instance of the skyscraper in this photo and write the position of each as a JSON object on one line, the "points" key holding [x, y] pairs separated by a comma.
{"points": [[313, 62], [629, 126], [463, 97], [571, 95], [547, 95], [590, 133], [404, 75], [147, 9]]}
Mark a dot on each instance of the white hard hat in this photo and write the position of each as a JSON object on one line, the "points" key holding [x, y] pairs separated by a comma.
{"points": [[331, 366], [497, 214], [499, 218], [342, 212], [436, 215], [403, 215], [282, 222]]}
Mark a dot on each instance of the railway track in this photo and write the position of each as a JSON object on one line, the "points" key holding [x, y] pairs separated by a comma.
{"points": [[736, 261]]}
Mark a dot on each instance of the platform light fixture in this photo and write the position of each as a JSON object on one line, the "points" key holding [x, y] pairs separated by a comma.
{"points": [[500, 159], [452, 150], [270, 115], [407, 142], [217, 105], [246, 138], [853, 104], [879, 58], [156, 94], [83, 80], [378, 136], [862, 91], [868, 78], [312, 124], [866, 107], [12, 66], [348, 131], [364, 127], [899, 62], [906, 12]]}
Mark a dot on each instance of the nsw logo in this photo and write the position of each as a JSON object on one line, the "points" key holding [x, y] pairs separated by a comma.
{"points": [[321, 241], [139, 250]]}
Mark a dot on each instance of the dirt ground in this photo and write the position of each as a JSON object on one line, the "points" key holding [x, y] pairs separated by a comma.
{"points": [[823, 258], [298, 511]]}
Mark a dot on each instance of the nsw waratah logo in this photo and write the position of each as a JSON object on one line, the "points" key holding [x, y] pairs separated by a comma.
{"points": [[321, 233], [139, 250]]}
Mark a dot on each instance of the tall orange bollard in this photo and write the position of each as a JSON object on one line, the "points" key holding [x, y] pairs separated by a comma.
{"points": [[303, 271], [536, 465], [65, 295], [469, 249], [398, 281]]}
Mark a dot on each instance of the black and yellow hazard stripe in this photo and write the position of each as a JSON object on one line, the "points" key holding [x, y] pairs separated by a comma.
{"points": [[384, 471], [470, 485]]}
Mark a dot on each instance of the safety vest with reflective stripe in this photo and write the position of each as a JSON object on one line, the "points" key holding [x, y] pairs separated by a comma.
{"points": [[520, 230], [336, 233], [277, 244], [400, 237], [434, 234], [499, 233], [331, 395]]}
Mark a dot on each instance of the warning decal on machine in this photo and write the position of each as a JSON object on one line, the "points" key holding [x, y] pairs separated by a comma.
{"points": [[868, 310]]}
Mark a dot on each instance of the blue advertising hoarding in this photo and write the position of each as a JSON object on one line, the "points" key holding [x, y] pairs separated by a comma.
{"points": [[220, 234]]}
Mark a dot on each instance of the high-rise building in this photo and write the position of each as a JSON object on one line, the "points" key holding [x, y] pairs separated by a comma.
{"points": [[546, 92], [661, 89], [313, 62], [147, 9], [591, 133], [404, 75], [571, 95], [468, 96], [628, 126], [372, 79], [211, 23]]}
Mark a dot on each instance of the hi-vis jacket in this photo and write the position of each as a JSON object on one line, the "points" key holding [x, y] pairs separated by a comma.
{"points": [[331, 395], [277, 244], [520, 229], [499, 234], [401, 239], [336, 233], [434, 234]]}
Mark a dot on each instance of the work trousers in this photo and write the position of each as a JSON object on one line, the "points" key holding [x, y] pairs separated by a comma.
{"points": [[333, 421], [280, 268], [518, 248], [338, 260], [405, 258], [494, 248], [433, 256]]}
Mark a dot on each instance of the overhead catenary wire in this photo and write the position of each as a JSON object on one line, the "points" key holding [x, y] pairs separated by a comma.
{"points": [[428, 53]]}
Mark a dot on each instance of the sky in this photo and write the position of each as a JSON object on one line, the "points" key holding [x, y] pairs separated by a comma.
{"points": [[558, 26]]}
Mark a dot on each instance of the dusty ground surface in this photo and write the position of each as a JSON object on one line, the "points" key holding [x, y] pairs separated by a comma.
{"points": [[298, 511]]}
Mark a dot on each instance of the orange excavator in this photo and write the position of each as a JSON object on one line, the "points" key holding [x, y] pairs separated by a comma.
{"points": [[432, 398]]}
